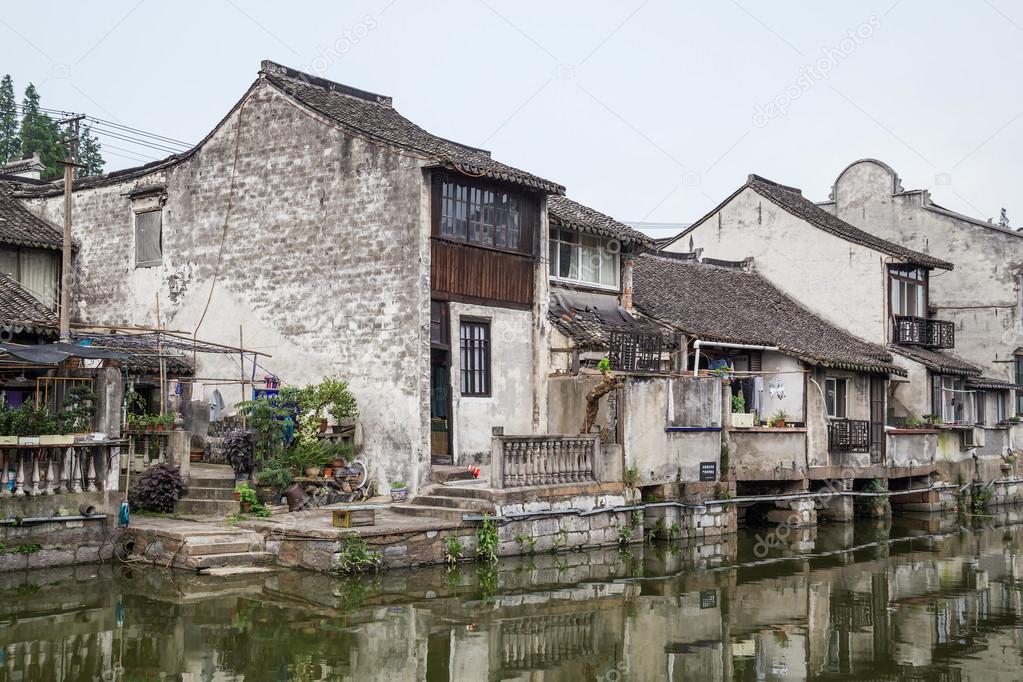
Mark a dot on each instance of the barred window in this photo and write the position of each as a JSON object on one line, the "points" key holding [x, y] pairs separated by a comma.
{"points": [[148, 238], [474, 352]]}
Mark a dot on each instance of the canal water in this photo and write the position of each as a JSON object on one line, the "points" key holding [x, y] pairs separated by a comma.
{"points": [[913, 599]]}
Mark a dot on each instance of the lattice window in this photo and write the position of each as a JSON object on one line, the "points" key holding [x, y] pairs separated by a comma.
{"points": [[849, 435], [632, 352]]}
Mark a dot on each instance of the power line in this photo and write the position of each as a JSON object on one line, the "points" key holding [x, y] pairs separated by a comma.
{"points": [[128, 133], [133, 140]]}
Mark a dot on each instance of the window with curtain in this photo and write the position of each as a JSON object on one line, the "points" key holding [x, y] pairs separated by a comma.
{"points": [[148, 238], [581, 258], [34, 269], [908, 291], [835, 395], [474, 354]]}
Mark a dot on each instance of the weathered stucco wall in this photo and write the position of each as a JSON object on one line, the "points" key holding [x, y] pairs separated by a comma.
{"points": [[325, 263], [516, 382], [662, 456], [981, 295], [841, 281], [909, 396]]}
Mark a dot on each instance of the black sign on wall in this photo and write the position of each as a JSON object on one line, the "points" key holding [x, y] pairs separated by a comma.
{"points": [[708, 471]]}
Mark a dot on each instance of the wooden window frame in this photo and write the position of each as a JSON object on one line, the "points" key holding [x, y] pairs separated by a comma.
{"points": [[555, 240], [841, 397], [135, 237], [467, 371], [896, 274], [459, 206]]}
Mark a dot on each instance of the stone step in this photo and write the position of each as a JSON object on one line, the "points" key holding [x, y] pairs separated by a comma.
{"points": [[468, 504], [232, 559], [478, 491], [236, 571], [211, 482], [192, 507], [191, 548], [442, 473], [205, 493], [422, 510]]}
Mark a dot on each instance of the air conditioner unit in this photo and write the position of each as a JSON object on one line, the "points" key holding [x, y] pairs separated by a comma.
{"points": [[973, 437]]}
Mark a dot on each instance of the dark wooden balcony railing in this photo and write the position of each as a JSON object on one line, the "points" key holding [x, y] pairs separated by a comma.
{"points": [[922, 331], [849, 435]]}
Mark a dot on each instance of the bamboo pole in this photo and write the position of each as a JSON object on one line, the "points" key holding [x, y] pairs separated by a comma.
{"points": [[163, 362]]}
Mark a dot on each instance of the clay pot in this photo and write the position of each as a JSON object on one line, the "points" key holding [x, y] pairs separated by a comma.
{"points": [[312, 472], [246, 506], [328, 472]]}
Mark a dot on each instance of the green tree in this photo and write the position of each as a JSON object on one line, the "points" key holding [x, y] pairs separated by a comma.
{"points": [[89, 154], [41, 135], [10, 136]]}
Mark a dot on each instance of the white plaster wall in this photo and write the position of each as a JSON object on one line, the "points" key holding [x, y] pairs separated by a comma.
{"points": [[910, 398], [840, 281], [514, 391], [981, 295], [789, 371]]}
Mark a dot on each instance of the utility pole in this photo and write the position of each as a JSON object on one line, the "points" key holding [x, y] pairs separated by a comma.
{"points": [[71, 166]]}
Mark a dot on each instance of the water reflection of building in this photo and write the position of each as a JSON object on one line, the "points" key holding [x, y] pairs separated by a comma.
{"points": [[911, 606]]}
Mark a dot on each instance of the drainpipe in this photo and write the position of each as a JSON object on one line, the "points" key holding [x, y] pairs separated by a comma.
{"points": [[698, 344]]}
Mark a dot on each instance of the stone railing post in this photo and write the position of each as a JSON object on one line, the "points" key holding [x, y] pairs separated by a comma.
{"points": [[497, 463]]}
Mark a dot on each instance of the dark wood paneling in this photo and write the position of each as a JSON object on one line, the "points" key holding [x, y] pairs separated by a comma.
{"points": [[461, 272]]}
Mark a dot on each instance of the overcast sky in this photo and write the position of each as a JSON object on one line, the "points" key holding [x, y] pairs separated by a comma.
{"points": [[649, 111]]}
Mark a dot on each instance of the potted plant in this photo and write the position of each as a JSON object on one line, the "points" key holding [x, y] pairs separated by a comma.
{"points": [[308, 458], [272, 481], [341, 454], [740, 418], [246, 496], [334, 395], [779, 418], [399, 491], [238, 452]]}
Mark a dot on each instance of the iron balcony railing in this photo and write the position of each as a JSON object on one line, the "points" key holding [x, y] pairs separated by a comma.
{"points": [[922, 331], [849, 435]]}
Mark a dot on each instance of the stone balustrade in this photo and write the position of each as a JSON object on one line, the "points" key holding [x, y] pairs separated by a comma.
{"points": [[48, 470], [520, 461]]}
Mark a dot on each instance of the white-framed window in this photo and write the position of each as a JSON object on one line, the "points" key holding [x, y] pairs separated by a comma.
{"points": [[836, 393], [148, 238], [583, 258], [951, 400], [908, 291]]}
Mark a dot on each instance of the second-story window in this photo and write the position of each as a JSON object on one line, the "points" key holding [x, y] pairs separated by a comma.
{"points": [[908, 288], [835, 394], [582, 258], [148, 238], [480, 215], [34, 269]]}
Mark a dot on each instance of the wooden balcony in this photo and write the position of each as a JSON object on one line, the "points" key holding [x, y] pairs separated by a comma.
{"points": [[849, 435], [922, 331]]}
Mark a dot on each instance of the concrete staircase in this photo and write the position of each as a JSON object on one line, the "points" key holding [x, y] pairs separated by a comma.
{"points": [[210, 492], [203, 547], [449, 501]]}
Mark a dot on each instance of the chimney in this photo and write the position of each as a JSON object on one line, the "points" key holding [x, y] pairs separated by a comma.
{"points": [[29, 167], [627, 284]]}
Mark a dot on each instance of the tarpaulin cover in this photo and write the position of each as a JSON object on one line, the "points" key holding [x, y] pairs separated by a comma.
{"points": [[54, 353]]}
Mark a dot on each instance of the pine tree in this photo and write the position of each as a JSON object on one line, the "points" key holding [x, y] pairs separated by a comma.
{"points": [[1003, 219], [89, 154], [41, 135], [10, 136]]}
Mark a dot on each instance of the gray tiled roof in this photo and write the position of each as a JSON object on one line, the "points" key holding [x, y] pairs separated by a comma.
{"points": [[374, 116], [729, 304], [588, 318], [21, 311], [936, 360], [564, 212], [792, 200], [991, 384], [20, 227]]}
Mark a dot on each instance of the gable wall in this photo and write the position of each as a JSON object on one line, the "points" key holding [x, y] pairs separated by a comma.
{"points": [[326, 263], [981, 295], [840, 281]]}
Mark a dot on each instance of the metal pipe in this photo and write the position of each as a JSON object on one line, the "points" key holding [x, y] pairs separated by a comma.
{"points": [[698, 344]]}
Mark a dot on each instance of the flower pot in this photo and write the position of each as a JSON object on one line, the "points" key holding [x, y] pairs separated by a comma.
{"points": [[742, 420], [312, 472], [338, 463], [328, 472], [237, 496], [246, 506], [399, 494], [323, 425]]}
